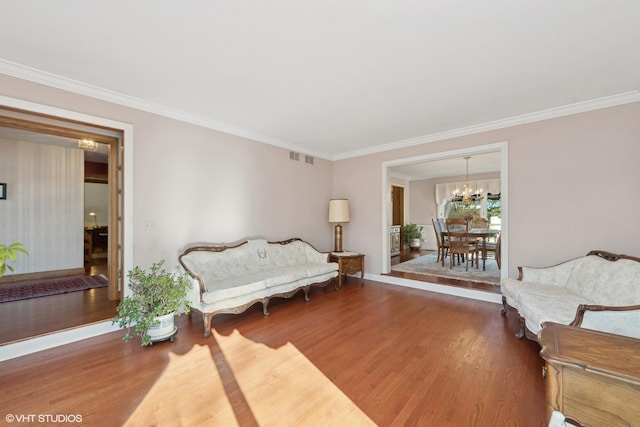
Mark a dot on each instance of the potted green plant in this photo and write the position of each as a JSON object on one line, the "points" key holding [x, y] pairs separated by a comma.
{"points": [[411, 235], [156, 297], [9, 253]]}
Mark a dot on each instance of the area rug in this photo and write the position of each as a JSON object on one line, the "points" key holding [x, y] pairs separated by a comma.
{"points": [[51, 287], [427, 265]]}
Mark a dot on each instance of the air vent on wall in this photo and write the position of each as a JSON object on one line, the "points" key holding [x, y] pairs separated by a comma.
{"points": [[308, 159], [294, 156]]}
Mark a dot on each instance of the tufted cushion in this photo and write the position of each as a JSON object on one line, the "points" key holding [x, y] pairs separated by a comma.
{"points": [[514, 289], [237, 277], [606, 282], [213, 266], [626, 322], [553, 294], [256, 265], [556, 275], [282, 275], [559, 307], [315, 269], [233, 287]]}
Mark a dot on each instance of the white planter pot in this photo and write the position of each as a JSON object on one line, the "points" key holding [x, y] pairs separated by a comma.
{"points": [[414, 243], [163, 328]]}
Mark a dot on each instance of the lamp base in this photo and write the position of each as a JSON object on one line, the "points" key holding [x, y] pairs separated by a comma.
{"points": [[337, 237]]}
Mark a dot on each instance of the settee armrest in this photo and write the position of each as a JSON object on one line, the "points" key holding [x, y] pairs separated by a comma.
{"points": [[620, 320], [555, 275], [194, 294], [315, 256]]}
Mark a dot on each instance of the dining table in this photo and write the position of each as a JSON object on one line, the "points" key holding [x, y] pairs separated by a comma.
{"points": [[478, 234]]}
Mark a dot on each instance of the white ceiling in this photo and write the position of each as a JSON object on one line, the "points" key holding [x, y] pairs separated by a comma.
{"points": [[331, 78], [478, 164]]}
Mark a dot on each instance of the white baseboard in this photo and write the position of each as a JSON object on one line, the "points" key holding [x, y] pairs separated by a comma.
{"points": [[434, 287], [45, 342]]}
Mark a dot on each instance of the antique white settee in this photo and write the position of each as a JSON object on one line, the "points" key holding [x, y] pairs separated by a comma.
{"points": [[230, 279], [599, 291]]}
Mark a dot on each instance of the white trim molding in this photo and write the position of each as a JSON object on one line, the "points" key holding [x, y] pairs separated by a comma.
{"points": [[53, 80], [501, 147], [434, 287], [45, 342], [564, 110], [55, 339]]}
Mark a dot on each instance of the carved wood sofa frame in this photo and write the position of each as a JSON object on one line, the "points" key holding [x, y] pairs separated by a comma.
{"points": [[208, 316], [581, 309]]}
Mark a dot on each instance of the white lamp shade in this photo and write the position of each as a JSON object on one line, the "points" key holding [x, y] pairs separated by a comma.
{"points": [[339, 210]]}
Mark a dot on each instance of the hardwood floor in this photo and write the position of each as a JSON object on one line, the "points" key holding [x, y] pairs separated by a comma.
{"points": [[364, 355], [39, 316], [408, 255]]}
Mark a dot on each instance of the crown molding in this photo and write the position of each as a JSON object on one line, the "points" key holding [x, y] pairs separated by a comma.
{"points": [[551, 113], [53, 80]]}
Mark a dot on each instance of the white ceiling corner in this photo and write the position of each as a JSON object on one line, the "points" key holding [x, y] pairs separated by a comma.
{"points": [[333, 79]]}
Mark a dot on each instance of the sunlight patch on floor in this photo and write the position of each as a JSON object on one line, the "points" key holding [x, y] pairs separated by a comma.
{"points": [[235, 379], [282, 387], [188, 392]]}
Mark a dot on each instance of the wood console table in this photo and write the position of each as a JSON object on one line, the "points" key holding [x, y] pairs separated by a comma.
{"points": [[348, 263], [592, 377]]}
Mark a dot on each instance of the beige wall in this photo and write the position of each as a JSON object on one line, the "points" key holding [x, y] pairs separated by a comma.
{"points": [[572, 184], [96, 200], [199, 185]]}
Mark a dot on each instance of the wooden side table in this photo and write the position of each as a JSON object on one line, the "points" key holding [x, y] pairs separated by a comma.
{"points": [[592, 377], [348, 263]]}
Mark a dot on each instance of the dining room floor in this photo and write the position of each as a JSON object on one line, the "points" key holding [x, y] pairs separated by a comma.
{"points": [[408, 255]]}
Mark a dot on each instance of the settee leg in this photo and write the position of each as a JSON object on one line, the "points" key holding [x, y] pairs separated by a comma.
{"points": [[265, 305], [206, 317], [504, 306], [520, 333], [306, 293]]}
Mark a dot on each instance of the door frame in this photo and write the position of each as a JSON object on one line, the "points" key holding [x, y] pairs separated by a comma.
{"points": [[120, 172], [125, 173], [33, 123], [501, 147], [403, 208]]}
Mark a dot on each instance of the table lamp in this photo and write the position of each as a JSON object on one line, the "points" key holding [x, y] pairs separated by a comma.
{"points": [[95, 219], [338, 213]]}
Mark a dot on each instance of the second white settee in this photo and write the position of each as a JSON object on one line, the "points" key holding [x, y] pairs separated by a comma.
{"points": [[230, 279], [599, 291]]}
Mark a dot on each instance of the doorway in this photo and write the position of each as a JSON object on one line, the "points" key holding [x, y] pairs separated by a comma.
{"points": [[397, 220], [397, 201], [388, 207], [33, 131]]}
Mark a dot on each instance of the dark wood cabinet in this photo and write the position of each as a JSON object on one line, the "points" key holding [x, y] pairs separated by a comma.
{"points": [[99, 238]]}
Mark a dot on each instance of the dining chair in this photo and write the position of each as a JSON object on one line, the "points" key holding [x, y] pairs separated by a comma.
{"points": [[88, 248], [495, 248], [479, 223], [445, 240], [443, 246], [460, 243]]}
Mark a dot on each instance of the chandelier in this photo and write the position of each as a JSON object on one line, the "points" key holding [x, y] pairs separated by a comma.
{"points": [[467, 196]]}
